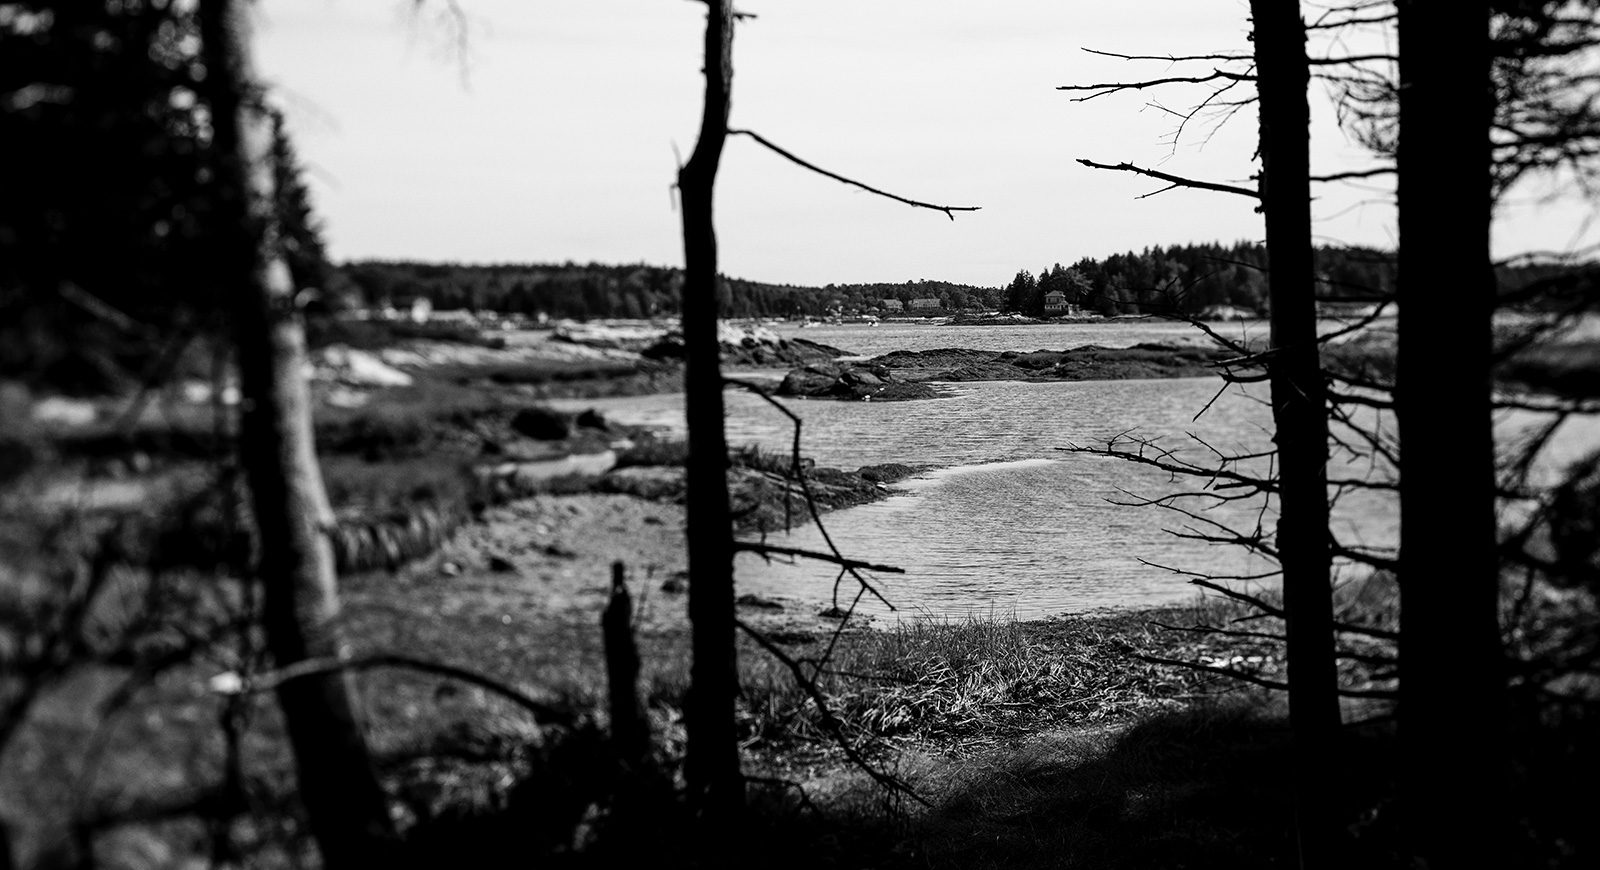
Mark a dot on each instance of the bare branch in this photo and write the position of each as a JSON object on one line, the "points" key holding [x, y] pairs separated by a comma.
{"points": [[805, 486], [775, 550], [949, 210], [1362, 173], [1354, 58], [308, 667], [1103, 88], [1171, 58], [1351, 21], [1173, 180]]}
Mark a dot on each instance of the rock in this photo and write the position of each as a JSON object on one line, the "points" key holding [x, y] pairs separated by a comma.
{"points": [[647, 482], [888, 472], [592, 419], [541, 424], [757, 602], [677, 582], [750, 345], [670, 346], [557, 551], [812, 380], [609, 336], [501, 565], [357, 368], [834, 613], [864, 382], [449, 569]]}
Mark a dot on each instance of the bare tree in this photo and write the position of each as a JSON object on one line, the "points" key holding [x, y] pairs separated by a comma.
{"points": [[346, 807], [716, 791], [1300, 419], [716, 787], [1301, 542]]}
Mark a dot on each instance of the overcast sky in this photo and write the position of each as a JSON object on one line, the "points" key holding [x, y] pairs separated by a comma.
{"points": [[556, 135]]}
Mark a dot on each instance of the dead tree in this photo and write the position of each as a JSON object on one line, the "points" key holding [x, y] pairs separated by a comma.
{"points": [[1299, 418], [1302, 542], [1454, 767], [716, 791], [346, 807]]}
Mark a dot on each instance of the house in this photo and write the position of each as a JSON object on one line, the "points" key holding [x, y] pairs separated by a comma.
{"points": [[925, 305], [891, 305], [1055, 302]]}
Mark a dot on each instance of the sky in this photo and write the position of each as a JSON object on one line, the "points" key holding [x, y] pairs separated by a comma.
{"points": [[526, 131]]}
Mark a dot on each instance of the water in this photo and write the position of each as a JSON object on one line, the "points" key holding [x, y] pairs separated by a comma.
{"points": [[862, 340], [1010, 523]]}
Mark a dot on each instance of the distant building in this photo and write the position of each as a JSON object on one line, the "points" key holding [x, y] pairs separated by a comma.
{"points": [[925, 305], [892, 305], [1055, 302], [421, 309]]}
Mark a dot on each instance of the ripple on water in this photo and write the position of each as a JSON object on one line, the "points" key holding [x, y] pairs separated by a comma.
{"points": [[1013, 525]]}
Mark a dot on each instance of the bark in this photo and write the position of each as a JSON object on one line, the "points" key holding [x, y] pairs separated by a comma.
{"points": [[1301, 424], [1452, 730], [346, 808], [711, 768]]}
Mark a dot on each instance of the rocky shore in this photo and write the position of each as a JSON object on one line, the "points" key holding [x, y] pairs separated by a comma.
{"points": [[906, 374], [1090, 362], [859, 381]]}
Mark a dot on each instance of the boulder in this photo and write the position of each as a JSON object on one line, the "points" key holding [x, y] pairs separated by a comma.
{"points": [[864, 382], [818, 379], [541, 424]]}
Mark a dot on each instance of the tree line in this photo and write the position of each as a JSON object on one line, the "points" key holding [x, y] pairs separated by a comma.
{"points": [[1183, 279], [597, 290]]}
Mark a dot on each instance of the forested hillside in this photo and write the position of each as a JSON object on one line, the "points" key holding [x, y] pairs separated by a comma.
{"points": [[1189, 278]]}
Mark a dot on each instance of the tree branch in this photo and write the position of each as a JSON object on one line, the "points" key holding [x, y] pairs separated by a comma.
{"points": [[1103, 88], [775, 550], [949, 210], [1174, 180], [308, 667]]}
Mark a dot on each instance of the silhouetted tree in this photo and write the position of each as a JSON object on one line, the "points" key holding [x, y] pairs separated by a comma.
{"points": [[347, 810], [711, 766], [1454, 767], [1300, 419]]}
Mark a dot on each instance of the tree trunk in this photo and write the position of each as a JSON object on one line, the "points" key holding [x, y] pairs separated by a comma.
{"points": [[630, 731], [716, 788], [1452, 731], [1301, 423], [346, 808]]}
